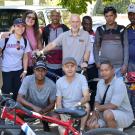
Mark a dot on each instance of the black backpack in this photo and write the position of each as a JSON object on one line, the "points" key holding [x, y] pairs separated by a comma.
{"points": [[46, 32], [6, 40], [120, 30]]}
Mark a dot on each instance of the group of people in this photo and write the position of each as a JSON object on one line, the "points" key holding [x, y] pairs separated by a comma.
{"points": [[109, 51]]}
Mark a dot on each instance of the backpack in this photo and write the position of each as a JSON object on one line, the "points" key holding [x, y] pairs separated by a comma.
{"points": [[120, 30], [46, 31], [6, 40]]}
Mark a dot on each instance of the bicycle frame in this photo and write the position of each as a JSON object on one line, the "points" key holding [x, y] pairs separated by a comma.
{"points": [[11, 115]]}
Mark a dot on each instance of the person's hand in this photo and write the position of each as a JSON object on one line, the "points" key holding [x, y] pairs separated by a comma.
{"points": [[37, 109], [124, 69], [23, 75], [5, 35], [84, 65], [92, 120], [98, 65]]}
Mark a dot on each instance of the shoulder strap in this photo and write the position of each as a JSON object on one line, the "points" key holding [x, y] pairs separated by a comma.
{"points": [[121, 29], [25, 42], [101, 31], [104, 97], [6, 40]]}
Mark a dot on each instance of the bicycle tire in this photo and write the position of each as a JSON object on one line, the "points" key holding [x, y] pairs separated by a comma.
{"points": [[105, 131]]}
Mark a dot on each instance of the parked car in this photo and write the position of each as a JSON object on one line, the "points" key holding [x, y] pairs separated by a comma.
{"points": [[9, 13]]}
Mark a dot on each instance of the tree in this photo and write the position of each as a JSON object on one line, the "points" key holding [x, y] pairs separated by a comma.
{"points": [[75, 6]]}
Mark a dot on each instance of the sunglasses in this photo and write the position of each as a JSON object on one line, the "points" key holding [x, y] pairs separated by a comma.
{"points": [[31, 17]]}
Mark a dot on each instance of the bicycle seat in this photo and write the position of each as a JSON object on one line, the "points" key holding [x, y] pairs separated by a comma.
{"points": [[74, 112]]}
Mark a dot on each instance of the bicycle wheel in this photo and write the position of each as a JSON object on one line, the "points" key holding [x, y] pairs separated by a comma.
{"points": [[105, 131]]}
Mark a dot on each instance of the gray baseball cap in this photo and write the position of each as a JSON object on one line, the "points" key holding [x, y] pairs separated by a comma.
{"points": [[69, 60]]}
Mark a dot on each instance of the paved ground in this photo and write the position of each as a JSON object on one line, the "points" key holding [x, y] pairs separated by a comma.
{"points": [[54, 131]]}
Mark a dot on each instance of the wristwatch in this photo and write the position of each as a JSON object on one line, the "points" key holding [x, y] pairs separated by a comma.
{"points": [[79, 103]]}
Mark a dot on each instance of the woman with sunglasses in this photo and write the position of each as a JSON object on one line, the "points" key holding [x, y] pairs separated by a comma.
{"points": [[14, 52], [33, 34]]}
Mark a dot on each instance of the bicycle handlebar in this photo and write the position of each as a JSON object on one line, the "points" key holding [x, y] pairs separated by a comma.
{"points": [[10, 103]]}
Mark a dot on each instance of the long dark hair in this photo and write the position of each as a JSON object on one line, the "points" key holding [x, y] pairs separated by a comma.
{"points": [[36, 25]]}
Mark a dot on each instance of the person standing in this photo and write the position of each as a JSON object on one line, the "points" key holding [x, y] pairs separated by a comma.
{"points": [[92, 71], [131, 37], [14, 53], [50, 33], [75, 43], [111, 43]]}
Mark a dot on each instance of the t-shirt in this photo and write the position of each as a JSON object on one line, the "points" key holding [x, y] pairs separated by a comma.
{"points": [[34, 95], [71, 93], [91, 59], [12, 57], [116, 94], [74, 46]]}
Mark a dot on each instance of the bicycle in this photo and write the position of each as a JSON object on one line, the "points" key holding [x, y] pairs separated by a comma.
{"points": [[11, 110]]}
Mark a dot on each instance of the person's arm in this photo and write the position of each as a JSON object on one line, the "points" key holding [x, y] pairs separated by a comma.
{"points": [[119, 91], [39, 40], [126, 53], [21, 99], [52, 99], [25, 65], [22, 93], [52, 45], [49, 47], [96, 48], [58, 94], [85, 90], [58, 102], [104, 107], [49, 107]]}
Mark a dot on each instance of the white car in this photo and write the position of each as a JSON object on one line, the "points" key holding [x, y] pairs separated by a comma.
{"points": [[9, 13]]}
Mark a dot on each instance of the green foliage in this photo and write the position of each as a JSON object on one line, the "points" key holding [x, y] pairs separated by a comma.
{"points": [[75, 6], [120, 5]]}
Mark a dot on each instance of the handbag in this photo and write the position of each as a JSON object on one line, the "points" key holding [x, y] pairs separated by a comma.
{"points": [[131, 76]]}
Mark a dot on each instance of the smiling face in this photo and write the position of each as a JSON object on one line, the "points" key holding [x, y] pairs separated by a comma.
{"points": [[19, 29], [87, 24], [40, 73], [131, 17], [30, 19], [55, 17], [75, 23]]}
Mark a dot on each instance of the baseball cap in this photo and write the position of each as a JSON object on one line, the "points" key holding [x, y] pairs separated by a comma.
{"points": [[131, 8], [19, 21], [69, 60], [40, 64]]}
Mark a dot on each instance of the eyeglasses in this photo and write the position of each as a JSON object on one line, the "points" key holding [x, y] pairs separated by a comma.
{"points": [[18, 45], [31, 17]]}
